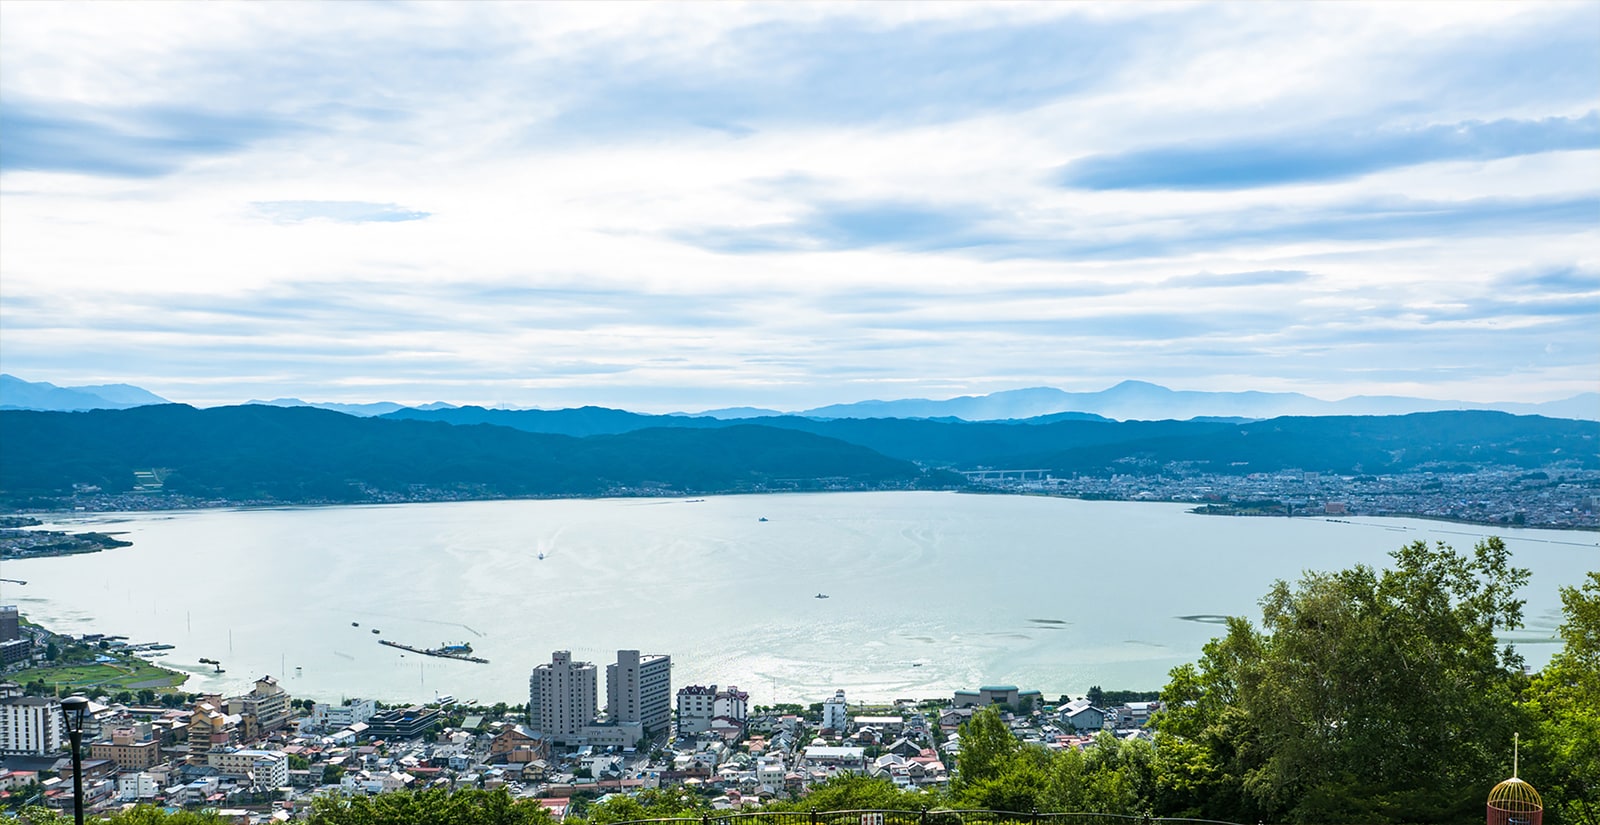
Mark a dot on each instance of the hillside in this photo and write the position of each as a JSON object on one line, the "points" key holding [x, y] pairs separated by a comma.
{"points": [[304, 454], [1345, 444]]}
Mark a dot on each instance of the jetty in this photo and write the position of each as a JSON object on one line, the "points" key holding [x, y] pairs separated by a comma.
{"points": [[461, 653]]}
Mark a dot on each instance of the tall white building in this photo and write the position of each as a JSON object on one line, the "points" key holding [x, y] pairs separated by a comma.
{"points": [[562, 696], [639, 690], [732, 703], [835, 713], [696, 706], [31, 725]]}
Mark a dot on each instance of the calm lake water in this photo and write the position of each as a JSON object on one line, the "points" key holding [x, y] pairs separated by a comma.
{"points": [[927, 592]]}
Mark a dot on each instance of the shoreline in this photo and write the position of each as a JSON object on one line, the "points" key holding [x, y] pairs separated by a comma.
{"points": [[1194, 508]]}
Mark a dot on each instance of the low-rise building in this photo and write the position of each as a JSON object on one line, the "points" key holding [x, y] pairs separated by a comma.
{"points": [[334, 717], [1080, 715], [405, 723], [997, 695], [132, 748], [837, 758], [133, 787], [262, 768]]}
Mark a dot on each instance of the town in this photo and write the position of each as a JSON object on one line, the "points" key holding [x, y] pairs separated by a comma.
{"points": [[1551, 498], [262, 756]]}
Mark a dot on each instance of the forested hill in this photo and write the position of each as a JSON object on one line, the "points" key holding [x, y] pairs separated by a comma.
{"points": [[294, 454], [1338, 444], [297, 454]]}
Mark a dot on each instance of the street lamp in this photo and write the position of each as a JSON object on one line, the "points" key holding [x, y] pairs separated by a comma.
{"points": [[73, 710]]}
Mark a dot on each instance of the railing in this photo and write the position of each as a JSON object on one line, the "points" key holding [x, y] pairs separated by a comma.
{"points": [[942, 816]]}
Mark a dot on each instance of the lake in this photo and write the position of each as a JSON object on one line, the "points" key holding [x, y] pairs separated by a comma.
{"points": [[926, 592]]}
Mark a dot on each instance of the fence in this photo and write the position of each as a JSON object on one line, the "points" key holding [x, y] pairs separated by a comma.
{"points": [[923, 817]]}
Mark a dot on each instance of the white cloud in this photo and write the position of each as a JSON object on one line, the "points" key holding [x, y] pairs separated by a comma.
{"points": [[667, 206]]}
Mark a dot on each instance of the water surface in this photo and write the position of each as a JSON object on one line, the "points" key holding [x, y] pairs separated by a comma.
{"points": [[927, 592]]}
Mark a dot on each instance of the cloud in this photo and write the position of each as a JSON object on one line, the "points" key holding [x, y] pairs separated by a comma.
{"points": [[833, 69], [1326, 154], [976, 231], [1558, 280], [336, 211], [1270, 277], [138, 142]]}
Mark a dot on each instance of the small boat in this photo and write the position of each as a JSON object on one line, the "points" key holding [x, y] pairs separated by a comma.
{"points": [[355, 624], [541, 557], [376, 631], [763, 518], [916, 664], [822, 595]]}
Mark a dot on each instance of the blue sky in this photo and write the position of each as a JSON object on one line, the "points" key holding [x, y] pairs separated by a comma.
{"points": [[684, 206]]}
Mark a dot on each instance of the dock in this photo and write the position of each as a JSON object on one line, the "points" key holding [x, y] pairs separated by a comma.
{"points": [[439, 652]]}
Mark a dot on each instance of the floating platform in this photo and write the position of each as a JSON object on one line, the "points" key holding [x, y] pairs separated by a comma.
{"points": [[440, 652]]}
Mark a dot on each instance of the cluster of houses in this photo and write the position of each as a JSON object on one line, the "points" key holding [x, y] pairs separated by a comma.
{"points": [[258, 757]]}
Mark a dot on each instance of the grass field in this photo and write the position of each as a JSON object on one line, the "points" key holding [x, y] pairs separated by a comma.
{"points": [[126, 674]]}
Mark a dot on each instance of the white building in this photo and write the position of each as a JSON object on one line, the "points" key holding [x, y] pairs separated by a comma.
{"points": [[836, 713], [697, 705], [732, 703], [31, 725], [265, 769], [639, 689], [132, 787], [842, 759], [335, 717], [561, 697]]}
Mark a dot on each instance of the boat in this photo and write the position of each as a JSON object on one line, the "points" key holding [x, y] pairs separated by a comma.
{"points": [[541, 557], [822, 595], [355, 624], [763, 518], [376, 631]]}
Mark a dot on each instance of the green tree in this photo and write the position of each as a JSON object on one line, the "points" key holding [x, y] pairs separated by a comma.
{"points": [[856, 792], [653, 803], [434, 806], [986, 747], [1563, 705], [1366, 696]]}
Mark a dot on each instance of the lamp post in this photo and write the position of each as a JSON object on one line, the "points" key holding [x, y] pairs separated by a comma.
{"points": [[73, 710]]}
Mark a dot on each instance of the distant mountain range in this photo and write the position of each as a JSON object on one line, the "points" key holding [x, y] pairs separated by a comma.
{"points": [[17, 394], [1140, 400], [299, 454], [359, 410], [1127, 401]]}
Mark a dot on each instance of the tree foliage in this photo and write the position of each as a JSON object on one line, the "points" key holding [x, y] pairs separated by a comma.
{"points": [[654, 803], [1366, 696], [1563, 707], [435, 806]]}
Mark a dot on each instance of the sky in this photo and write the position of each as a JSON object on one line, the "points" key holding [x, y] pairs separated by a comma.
{"points": [[687, 206]]}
